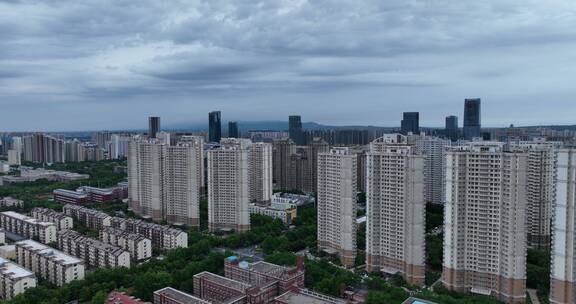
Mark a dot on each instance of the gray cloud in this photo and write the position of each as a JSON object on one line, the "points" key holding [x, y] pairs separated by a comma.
{"points": [[341, 62]]}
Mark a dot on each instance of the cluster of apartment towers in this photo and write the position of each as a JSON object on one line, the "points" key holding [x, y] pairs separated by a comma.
{"points": [[499, 198]]}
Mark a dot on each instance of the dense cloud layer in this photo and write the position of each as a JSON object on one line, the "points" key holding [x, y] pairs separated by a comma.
{"points": [[106, 64]]}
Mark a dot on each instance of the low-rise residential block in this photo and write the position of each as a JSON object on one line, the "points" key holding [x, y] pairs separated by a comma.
{"points": [[94, 252], [14, 279], [61, 220], [28, 227], [49, 264], [90, 218], [140, 248]]}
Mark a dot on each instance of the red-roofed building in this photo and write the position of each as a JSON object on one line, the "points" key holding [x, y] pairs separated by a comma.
{"points": [[116, 297]]}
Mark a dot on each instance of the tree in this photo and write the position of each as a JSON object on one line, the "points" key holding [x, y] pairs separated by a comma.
{"points": [[147, 283]]}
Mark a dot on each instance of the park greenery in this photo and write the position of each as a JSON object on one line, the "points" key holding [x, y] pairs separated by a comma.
{"points": [[270, 237]]}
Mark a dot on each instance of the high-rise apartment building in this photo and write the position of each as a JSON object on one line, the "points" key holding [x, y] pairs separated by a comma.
{"points": [[433, 148], [485, 221], [336, 201], [282, 151], [410, 123], [395, 209], [102, 138], [563, 268], [153, 126], [165, 181], [295, 130], [451, 130], [228, 185], [260, 172], [472, 118], [540, 189], [295, 166], [214, 127], [118, 147], [233, 131], [42, 148]]}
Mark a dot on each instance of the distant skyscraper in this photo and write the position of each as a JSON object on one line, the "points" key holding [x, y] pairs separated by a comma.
{"points": [[295, 129], [42, 148], [563, 274], [214, 127], [153, 126], [452, 128], [411, 123], [485, 221], [472, 119], [337, 203], [233, 131], [395, 209]]}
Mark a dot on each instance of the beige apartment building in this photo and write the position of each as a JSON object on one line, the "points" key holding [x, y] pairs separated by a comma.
{"points": [[28, 227], [485, 221], [164, 237], [140, 248], [48, 263], [540, 189], [61, 220], [336, 201], [95, 253], [165, 181], [563, 268], [90, 218], [395, 209], [14, 279], [260, 172], [228, 186]]}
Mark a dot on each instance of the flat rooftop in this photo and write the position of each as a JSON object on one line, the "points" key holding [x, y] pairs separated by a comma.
{"points": [[26, 218], [180, 297], [308, 298], [50, 252], [14, 270], [223, 281]]}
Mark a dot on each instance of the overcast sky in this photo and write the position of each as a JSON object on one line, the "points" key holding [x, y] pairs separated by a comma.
{"points": [[108, 64]]}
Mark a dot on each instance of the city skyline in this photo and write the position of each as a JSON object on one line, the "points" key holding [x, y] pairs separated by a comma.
{"points": [[103, 65]]}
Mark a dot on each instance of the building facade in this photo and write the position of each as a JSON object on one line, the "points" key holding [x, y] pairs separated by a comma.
{"points": [[336, 203], [485, 221], [410, 123], [14, 279], [90, 218], [214, 127], [395, 209], [59, 219], [563, 267], [140, 248], [260, 172], [433, 148]]}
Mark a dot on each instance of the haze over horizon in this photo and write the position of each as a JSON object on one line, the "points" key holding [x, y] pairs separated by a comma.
{"points": [[109, 64]]}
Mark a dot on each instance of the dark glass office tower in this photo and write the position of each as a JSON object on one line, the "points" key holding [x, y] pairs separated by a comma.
{"points": [[233, 131], [472, 122], [295, 130], [153, 126], [411, 123], [452, 128], [214, 127]]}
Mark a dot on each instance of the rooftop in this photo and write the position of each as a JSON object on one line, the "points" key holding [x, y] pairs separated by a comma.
{"points": [[49, 252], [180, 296], [26, 218], [223, 281], [15, 271], [307, 297]]}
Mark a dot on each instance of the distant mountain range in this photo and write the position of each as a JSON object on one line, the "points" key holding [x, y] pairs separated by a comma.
{"points": [[275, 125]]}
